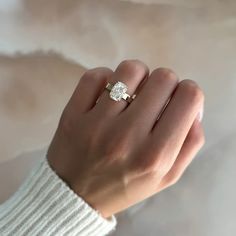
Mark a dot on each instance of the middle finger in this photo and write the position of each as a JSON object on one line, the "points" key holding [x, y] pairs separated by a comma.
{"points": [[151, 99], [130, 72]]}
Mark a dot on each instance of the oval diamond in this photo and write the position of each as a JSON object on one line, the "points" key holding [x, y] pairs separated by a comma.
{"points": [[118, 90]]}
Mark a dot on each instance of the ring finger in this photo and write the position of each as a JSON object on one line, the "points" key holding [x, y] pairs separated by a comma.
{"points": [[129, 72]]}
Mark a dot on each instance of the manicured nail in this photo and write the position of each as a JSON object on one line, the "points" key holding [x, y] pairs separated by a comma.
{"points": [[200, 114]]}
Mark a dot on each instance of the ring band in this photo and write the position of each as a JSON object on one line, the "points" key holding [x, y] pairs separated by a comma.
{"points": [[118, 92]]}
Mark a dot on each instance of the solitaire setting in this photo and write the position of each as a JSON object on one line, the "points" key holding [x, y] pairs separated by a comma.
{"points": [[118, 91]]}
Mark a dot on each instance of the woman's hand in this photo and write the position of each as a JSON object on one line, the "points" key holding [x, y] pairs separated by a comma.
{"points": [[115, 154]]}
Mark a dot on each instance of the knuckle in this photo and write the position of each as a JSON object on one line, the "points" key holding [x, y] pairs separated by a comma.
{"points": [[133, 67], [96, 74], [153, 163], [160, 170], [173, 179], [165, 74], [192, 90], [159, 161], [197, 137], [156, 168], [91, 74]]}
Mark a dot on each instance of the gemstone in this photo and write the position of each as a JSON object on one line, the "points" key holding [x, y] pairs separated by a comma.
{"points": [[117, 91]]}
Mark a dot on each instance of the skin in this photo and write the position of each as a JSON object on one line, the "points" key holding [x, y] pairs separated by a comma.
{"points": [[115, 154]]}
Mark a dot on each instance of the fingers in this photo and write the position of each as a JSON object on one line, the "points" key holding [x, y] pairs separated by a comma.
{"points": [[151, 99], [192, 144], [89, 89], [170, 131], [130, 72]]}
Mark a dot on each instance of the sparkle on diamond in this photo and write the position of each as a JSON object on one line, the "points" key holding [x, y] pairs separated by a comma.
{"points": [[117, 91]]}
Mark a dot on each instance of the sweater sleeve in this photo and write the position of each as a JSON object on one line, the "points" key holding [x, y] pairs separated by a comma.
{"points": [[44, 205]]}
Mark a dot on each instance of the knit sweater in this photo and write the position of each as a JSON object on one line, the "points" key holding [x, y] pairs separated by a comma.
{"points": [[44, 205]]}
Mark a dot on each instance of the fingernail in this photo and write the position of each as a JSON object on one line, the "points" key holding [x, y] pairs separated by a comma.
{"points": [[200, 114]]}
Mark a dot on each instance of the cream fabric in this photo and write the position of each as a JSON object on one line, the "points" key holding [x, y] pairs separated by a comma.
{"points": [[45, 206]]}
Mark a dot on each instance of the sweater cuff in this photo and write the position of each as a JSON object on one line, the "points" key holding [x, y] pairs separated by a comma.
{"points": [[45, 205]]}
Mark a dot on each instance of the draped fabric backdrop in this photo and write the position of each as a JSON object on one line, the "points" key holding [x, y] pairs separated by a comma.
{"points": [[45, 46]]}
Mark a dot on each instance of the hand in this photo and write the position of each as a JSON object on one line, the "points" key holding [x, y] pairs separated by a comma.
{"points": [[115, 154]]}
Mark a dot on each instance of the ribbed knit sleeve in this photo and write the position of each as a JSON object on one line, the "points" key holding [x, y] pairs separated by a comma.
{"points": [[44, 205]]}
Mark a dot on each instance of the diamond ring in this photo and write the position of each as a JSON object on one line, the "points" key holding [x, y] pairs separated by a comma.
{"points": [[118, 92]]}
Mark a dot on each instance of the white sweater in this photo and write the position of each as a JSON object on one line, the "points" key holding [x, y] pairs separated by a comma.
{"points": [[44, 205]]}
